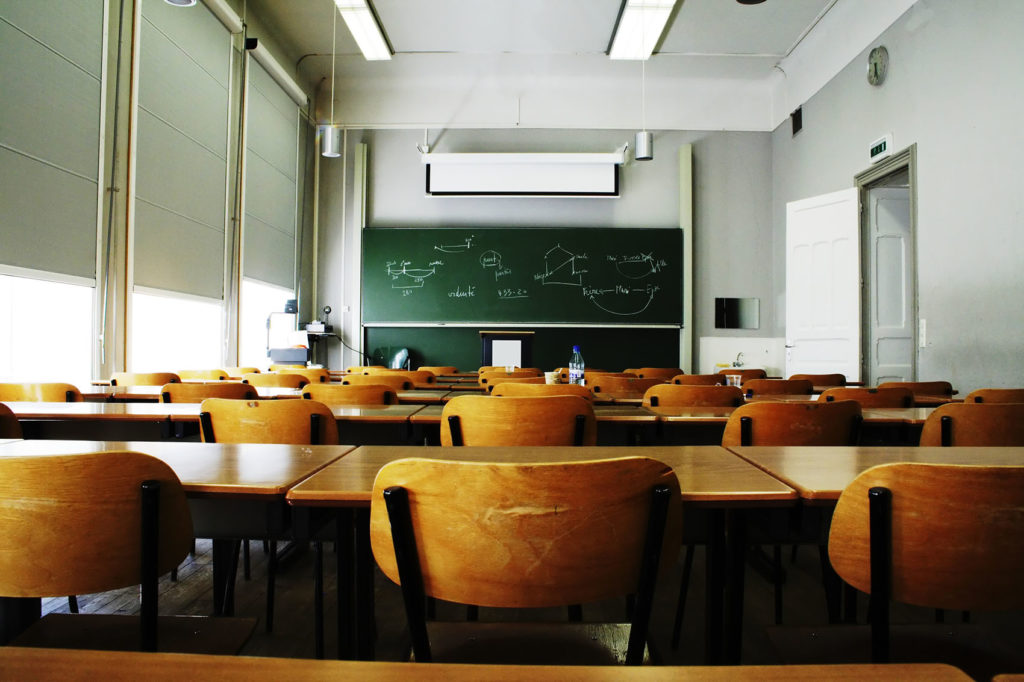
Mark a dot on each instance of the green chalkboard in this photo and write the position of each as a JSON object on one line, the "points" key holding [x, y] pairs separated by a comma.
{"points": [[523, 275]]}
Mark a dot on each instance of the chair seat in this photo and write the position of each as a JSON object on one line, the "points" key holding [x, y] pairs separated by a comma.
{"points": [[530, 643], [110, 632]]}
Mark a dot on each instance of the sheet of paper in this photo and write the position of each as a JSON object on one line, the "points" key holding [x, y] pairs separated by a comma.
{"points": [[507, 353]]}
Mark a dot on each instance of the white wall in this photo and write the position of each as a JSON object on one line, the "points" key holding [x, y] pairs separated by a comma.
{"points": [[956, 71]]}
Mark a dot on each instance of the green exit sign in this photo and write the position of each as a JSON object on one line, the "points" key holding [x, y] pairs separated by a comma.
{"points": [[881, 148]]}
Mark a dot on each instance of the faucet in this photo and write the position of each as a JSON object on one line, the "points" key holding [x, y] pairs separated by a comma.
{"points": [[738, 362]]}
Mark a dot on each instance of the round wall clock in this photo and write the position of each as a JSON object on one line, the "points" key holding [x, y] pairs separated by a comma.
{"points": [[878, 65]]}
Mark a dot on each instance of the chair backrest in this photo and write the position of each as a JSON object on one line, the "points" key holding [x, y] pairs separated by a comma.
{"points": [[143, 378], [526, 535], [536, 381], [203, 374], [393, 381], [439, 370], [490, 376], [277, 367], [48, 392], [10, 427], [563, 372], [753, 387], [545, 420], [871, 397], [956, 534], [747, 374], [351, 394], [823, 379], [523, 388], [591, 374], [665, 373], [363, 369], [313, 376], [298, 422], [922, 387], [413, 375], [975, 424], [71, 524], [699, 379], [988, 395], [275, 380], [607, 383], [781, 423], [197, 393], [237, 372], [671, 395]]}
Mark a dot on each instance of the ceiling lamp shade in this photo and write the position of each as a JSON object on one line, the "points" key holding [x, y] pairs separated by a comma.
{"points": [[365, 27], [639, 28], [181, 3], [330, 141], [644, 149]]}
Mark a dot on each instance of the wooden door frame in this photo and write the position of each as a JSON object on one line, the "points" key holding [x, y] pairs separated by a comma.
{"points": [[904, 159]]}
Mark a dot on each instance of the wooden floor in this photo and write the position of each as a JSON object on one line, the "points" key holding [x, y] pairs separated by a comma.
{"points": [[803, 638]]}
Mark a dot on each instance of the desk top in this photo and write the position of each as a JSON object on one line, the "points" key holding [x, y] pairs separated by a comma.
{"points": [[431, 414], [377, 413], [116, 411], [68, 664], [707, 475], [244, 470], [821, 473]]}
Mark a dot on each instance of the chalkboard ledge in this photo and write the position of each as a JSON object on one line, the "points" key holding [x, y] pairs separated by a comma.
{"points": [[526, 325]]}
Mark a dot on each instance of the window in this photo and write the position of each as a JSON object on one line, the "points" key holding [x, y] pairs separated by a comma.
{"points": [[170, 332], [258, 300], [45, 331]]}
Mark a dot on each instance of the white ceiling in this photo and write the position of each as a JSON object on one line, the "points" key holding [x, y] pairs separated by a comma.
{"points": [[543, 63]]}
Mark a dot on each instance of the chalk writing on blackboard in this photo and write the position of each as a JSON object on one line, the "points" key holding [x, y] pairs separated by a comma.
{"points": [[456, 248], [637, 266], [513, 292], [562, 266], [622, 300], [404, 277]]}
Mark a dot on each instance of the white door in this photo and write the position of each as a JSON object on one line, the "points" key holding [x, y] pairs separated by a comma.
{"points": [[889, 303], [823, 285]]}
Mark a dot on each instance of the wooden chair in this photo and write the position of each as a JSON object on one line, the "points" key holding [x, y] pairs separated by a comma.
{"points": [[143, 378], [547, 420], [275, 380], [668, 395], [782, 423], [49, 392], [699, 379], [351, 394], [754, 387], [822, 379], [87, 523], [931, 535], [393, 381], [986, 395], [197, 393], [747, 374], [525, 389], [591, 374], [607, 383], [490, 376], [937, 388], [439, 370], [414, 376], [502, 368], [363, 369], [237, 372], [10, 427], [535, 381], [203, 374], [871, 397], [665, 373], [279, 367], [525, 535], [313, 376], [563, 372], [974, 424], [297, 422]]}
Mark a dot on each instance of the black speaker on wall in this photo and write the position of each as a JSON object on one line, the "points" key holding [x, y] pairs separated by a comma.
{"points": [[797, 120]]}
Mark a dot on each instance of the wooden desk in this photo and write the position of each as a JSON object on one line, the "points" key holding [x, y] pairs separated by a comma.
{"points": [[20, 663], [422, 396], [712, 479], [234, 491]]}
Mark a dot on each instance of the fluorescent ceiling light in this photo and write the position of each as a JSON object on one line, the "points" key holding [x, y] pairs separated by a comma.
{"points": [[639, 29], [363, 24]]}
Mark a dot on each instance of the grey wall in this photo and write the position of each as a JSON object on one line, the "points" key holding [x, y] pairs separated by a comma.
{"points": [[956, 70], [732, 205]]}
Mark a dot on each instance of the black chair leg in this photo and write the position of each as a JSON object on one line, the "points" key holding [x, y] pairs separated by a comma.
{"points": [[73, 603], [779, 580], [684, 586], [246, 566], [575, 613], [271, 573]]}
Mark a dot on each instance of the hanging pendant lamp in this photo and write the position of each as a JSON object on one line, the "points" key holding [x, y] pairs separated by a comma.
{"points": [[643, 150], [330, 134]]}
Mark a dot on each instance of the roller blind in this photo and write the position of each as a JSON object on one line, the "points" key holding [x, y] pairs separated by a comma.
{"points": [[51, 54], [270, 181], [181, 162]]}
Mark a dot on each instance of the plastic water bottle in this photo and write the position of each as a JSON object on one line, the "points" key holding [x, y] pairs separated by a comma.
{"points": [[576, 366]]}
